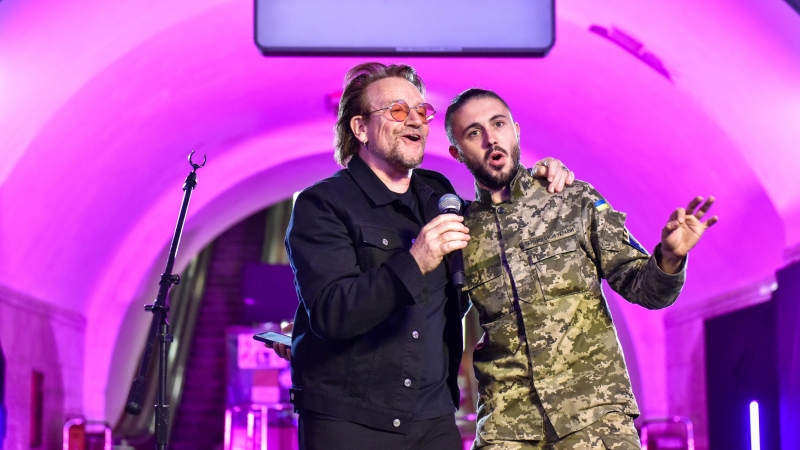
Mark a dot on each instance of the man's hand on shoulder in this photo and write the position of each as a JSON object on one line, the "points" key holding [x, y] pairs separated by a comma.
{"points": [[556, 173], [682, 232]]}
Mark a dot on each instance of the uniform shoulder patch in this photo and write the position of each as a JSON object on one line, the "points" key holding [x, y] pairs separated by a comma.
{"points": [[600, 205], [635, 244]]}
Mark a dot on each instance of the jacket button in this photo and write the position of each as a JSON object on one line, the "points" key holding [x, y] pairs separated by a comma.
{"points": [[414, 334], [396, 423], [501, 210], [385, 242], [407, 383]]}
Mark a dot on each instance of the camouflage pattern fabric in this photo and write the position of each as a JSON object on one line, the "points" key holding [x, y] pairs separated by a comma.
{"points": [[612, 431], [534, 267]]}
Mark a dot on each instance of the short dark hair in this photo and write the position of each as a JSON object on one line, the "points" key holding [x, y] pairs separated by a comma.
{"points": [[354, 102], [462, 99]]}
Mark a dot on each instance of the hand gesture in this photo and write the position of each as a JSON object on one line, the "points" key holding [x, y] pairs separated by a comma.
{"points": [[683, 231], [556, 173]]}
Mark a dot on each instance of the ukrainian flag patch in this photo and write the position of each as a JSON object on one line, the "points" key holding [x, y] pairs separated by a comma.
{"points": [[601, 205]]}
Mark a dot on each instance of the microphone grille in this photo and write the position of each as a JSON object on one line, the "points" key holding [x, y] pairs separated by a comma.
{"points": [[450, 203]]}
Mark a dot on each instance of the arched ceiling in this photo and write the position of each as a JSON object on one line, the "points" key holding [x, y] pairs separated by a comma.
{"points": [[100, 102]]}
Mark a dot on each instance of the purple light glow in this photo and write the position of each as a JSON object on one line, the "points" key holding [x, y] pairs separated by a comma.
{"points": [[755, 428], [248, 429], [664, 434], [227, 437]]}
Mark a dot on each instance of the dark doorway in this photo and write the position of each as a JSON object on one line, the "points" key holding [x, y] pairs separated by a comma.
{"points": [[741, 367], [787, 306]]}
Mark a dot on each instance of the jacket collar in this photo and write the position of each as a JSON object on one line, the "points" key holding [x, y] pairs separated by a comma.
{"points": [[520, 184], [374, 188]]}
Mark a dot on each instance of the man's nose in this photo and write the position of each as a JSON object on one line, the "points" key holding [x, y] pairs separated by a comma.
{"points": [[414, 118], [489, 138]]}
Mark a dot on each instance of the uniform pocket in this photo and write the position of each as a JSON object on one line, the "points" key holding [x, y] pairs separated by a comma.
{"points": [[485, 285], [558, 267]]}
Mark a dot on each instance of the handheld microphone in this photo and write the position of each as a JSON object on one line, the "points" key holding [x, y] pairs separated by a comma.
{"points": [[451, 204]]}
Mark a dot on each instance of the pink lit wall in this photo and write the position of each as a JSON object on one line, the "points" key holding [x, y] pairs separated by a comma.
{"points": [[100, 102]]}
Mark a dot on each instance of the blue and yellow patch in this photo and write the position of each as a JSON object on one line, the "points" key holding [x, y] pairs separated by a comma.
{"points": [[600, 205]]}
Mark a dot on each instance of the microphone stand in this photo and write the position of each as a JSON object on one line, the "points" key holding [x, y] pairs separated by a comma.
{"points": [[159, 326]]}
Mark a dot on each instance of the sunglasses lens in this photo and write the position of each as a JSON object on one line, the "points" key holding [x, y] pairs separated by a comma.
{"points": [[426, 111], [399, 111]]}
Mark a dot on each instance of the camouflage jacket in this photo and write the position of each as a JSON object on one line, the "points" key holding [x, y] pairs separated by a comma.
{"points": [[533, 271]]}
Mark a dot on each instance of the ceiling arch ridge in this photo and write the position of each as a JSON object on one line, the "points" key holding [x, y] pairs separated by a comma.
{"points": [[223, 173]]}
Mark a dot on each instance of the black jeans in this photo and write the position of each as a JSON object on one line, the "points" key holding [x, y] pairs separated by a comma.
{"points": [[316, 433]]}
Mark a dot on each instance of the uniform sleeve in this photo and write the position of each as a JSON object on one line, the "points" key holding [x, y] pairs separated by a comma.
{"points": [[621, 260], [342, 301]]}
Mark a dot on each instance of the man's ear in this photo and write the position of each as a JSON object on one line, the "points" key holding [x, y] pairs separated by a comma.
{"points": [[455, 154], [516, 127], [359, 128]]}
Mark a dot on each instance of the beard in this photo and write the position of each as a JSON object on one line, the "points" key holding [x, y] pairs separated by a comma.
{"points": [[397, 158], [490, 178]]}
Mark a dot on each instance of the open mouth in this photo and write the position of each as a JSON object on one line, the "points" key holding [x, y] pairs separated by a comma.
{"points": [[412, 137], [497, 158]]}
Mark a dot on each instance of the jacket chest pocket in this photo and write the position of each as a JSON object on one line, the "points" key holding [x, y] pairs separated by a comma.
{"points": [[376, 246], [486, 287], [559, 267]]}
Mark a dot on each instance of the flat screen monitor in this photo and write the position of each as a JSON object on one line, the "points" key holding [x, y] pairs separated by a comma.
{"points": [[407, 27]]}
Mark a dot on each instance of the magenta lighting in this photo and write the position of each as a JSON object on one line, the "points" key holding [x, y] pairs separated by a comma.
{"points": [[755, 432]]}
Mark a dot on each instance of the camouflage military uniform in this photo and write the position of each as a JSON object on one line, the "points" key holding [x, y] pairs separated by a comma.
{"points": [[550, 358]]}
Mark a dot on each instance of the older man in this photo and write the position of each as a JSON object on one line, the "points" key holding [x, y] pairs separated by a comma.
{"points": [[377, 337], [550, 369]]}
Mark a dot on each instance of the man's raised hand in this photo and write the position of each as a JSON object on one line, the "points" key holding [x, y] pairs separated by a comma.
{"points": [[683, 231]]}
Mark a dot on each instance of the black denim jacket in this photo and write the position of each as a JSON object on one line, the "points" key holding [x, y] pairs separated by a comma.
{"points": [[356, 337]]}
